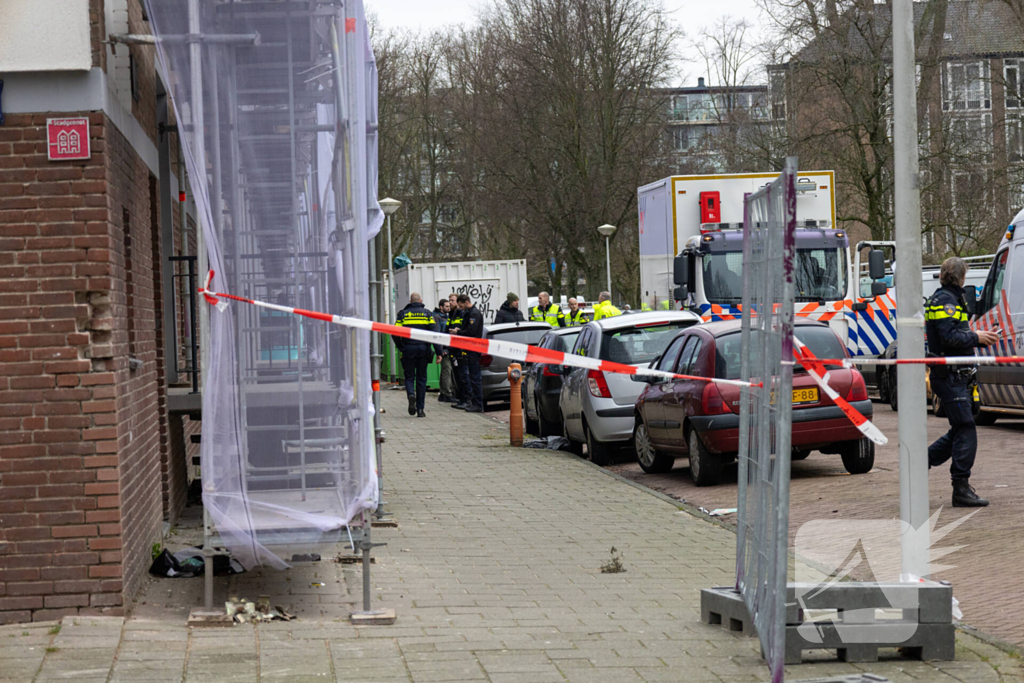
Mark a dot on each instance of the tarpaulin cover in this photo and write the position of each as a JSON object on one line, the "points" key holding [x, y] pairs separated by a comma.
{"points": [[276, 107]]}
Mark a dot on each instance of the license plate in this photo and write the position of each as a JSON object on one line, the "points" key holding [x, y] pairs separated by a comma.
{"points": [[805, 395], [801, 396]]}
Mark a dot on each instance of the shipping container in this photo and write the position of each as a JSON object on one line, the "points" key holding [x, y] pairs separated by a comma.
{"points": [[486, 282]]}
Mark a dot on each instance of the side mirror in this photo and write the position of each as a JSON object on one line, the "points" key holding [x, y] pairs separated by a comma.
{"points": [[860, 306], [639, 378], [971, 295], [679, 293], [876, 265], [679, 270], [691, 271], [878, 288]]}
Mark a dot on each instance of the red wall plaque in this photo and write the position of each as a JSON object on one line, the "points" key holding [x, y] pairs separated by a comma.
{"points": [[67, 139]]}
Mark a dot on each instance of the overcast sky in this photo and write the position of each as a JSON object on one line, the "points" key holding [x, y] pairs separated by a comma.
{"points": [[691, 15]]}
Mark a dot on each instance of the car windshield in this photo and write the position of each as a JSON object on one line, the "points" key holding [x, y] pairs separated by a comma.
{"points": [[522, 336], [640, 344], [821, 341], [820, 275]]}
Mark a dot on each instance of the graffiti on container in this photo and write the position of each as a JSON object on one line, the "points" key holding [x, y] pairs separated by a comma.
{"points": [[480, 295]]}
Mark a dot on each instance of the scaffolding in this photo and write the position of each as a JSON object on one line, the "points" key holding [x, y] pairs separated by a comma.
{"points": [[276, 105]]}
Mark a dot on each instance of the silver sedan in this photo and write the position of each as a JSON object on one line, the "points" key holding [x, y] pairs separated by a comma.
{"points": [[597, 406]]}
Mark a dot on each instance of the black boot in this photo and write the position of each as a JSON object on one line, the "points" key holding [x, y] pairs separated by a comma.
{"points": [[420, 413], [965, 497], [461, 405], [412, 405]]}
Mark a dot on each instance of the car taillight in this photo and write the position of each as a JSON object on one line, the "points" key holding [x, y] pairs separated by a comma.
{"points": [[598, 385], [485, 360], [548, 372], [711, 401], [858, 390]]}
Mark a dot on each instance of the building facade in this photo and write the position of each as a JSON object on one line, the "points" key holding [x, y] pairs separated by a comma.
{"points": [[93, 453]]}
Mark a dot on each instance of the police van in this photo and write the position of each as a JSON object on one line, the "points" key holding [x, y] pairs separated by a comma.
{"points": [[695, 222], [1001, 306]]}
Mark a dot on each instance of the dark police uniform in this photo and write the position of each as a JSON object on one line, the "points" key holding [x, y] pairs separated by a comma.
{"points": [[469, 365], [949, 334], [458, 356], [416, 355]]}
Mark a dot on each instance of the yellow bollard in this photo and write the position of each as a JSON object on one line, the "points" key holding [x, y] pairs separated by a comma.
{"points": [[515, 422]]}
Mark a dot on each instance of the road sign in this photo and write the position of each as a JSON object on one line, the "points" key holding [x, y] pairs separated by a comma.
{"points": [[67, 139]]}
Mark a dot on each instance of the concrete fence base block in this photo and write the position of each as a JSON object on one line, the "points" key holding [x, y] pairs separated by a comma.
{"points": [[383, 617], [923, 629]]}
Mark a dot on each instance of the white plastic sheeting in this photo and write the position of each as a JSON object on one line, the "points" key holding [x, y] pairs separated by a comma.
{"points": [[276, 106]]}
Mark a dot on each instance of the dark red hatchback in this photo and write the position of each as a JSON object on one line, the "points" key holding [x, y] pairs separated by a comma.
{"points": [[700, 419]]}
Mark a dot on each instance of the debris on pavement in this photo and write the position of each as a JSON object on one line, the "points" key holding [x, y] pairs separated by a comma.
{"points": [[551, 443], [306, 557], [614, 565], [245, 611], [190, 562]]}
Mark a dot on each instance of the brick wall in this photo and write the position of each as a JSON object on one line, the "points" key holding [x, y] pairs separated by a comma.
{"points": [[80, 432]]}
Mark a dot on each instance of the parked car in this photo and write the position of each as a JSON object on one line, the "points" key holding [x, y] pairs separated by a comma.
{"points": [[542, 383], [700, 419], [597, 407], [494, 370]]}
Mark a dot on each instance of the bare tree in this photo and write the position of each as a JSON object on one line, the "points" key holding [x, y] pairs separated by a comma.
{"points": [[572, 120]]}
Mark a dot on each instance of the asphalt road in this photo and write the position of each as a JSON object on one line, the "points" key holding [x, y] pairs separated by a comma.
{"points": [[986, 571]]}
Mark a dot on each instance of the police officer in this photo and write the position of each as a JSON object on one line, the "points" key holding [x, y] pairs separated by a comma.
{"points": [[575, 316], [416, 355], [950, 335], [605, 308], [457, 356], [471, 325], [547, 312]]}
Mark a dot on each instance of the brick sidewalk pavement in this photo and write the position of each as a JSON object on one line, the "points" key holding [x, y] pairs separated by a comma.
{"points": [[986, 574], [494, 571]]}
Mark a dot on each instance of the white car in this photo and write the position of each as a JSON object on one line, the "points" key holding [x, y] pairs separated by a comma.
{"points": [[597, 406]]}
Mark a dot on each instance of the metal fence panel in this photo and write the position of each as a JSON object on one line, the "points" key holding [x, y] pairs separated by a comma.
{"points": [[766, 411]]}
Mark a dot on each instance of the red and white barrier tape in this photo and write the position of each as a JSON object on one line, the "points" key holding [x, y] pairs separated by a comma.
{"points": [[502, 349], [816, 369], [938, 360]]}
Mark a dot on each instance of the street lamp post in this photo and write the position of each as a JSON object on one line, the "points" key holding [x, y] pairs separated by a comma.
{"points": [[607, 231], [389, 206]]}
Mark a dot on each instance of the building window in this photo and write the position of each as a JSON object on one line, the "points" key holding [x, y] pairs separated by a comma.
{"points": [[1014, 140], [680, 138], [966, 86], [133, 71], [1014, 78], [973, 134], [777, 93]]}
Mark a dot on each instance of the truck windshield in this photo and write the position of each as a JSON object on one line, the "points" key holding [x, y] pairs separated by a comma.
{"points": [[820, 276]]}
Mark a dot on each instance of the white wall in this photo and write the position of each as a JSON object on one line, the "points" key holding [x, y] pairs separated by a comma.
{"points": [[44, 35]]}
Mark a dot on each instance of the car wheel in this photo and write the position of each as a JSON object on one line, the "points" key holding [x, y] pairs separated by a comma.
{"points": [[705, 468], [985, 419], [937, 407], [651, 461], [800, 454], [600, 452], [575, 447], [858, 456], [894, 391], [882, 373]]}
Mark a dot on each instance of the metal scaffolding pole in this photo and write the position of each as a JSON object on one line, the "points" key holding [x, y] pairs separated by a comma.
{"points": [[909, 298]]}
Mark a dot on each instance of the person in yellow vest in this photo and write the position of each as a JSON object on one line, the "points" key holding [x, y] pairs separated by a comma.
{"points": [[666, 305], [547, 312], [575, 315], [604, 308]]}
